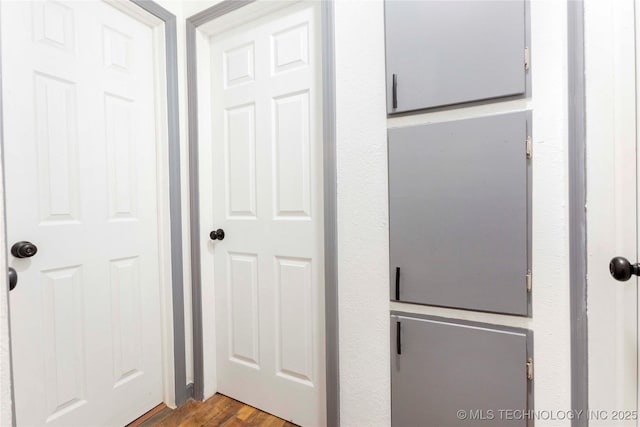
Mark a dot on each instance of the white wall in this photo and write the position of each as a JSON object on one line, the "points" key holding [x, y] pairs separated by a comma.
{"points": [[363, 227], [363, 213]]}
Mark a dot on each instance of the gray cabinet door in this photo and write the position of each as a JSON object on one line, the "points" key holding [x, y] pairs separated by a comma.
{"points": [[447, 366], [449, 52], [459, 206]]}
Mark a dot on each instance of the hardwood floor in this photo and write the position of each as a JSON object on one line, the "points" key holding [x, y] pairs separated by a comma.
{"points": [[219, 410]]}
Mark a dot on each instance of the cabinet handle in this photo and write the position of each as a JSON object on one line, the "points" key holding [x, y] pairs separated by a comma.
{"points": [[398, 339], [398, 283], [395, 91]]}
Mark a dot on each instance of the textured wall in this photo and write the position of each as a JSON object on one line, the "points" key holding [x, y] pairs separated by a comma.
{"points": [[363, 245], [551, 316]]}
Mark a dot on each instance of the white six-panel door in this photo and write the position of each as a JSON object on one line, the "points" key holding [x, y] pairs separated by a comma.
{"points": [[266, 193], [80, 158]]}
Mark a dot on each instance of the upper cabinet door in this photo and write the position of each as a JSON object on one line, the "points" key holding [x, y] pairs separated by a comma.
{"points": [[449, 52]]}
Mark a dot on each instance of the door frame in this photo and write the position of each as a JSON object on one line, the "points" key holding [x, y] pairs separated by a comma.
{"points": [[175, 389], [577, 212], [330, 197]]}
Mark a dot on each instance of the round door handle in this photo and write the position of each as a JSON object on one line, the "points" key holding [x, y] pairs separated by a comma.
{"points": [[621, 269], [23, 249], [217, 234], [13, 278]]}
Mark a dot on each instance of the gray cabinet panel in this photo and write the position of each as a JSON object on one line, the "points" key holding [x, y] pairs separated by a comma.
{"points": [[446, 366], [449, 52], [459, 207]]}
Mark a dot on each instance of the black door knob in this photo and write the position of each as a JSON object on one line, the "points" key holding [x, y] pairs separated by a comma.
{"points": [[13, 278], [23, 250], [217, 234], [621, 269]]}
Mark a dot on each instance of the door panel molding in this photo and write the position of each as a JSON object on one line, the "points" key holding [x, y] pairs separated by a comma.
{"points": [[152, 14], [330, 213]]}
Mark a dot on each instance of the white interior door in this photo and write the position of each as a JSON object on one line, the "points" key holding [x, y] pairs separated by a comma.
{"points": [[266, 194], [80, 157], [612, 209]]}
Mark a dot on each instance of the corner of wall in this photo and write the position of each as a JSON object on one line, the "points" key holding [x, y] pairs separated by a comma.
{"points": [[362, 214]]}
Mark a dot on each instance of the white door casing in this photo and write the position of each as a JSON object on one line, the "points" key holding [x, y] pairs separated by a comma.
{"points": [[80, 123], [612, 213], [261, 173]]}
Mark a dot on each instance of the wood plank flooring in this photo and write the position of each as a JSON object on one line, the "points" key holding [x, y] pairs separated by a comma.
{"points": [[218, 411]]}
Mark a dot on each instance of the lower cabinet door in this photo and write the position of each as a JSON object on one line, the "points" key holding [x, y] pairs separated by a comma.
{"points": [[447, 373]]}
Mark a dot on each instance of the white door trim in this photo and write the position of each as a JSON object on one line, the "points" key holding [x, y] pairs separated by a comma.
{"points": [[205, 343], [163, 24], [176, 388], [577, 212]]}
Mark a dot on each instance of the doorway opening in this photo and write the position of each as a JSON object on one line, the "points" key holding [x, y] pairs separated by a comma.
{"points": [[262, 163]]}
